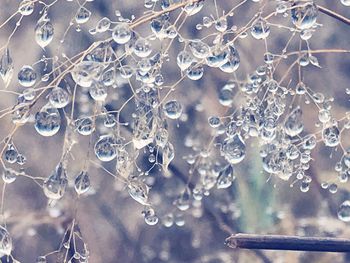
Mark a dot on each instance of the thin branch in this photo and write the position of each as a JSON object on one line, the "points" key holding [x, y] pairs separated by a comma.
{"points": [[333, 14], [281, 242]]}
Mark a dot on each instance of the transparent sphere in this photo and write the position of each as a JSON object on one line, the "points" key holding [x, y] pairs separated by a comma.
{"points": [[121, 33], [27, 76], [105, 148]]}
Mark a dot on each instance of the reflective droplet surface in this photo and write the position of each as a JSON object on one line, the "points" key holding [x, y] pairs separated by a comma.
{"points": [[27, 76], [85, 126], [6, 67], [304, 14], [138, 191], [294, 125], [82, 183], [5, 242], [55, 186], [47, 121], [121, 33], [331, 136], [106, 148], [44, 31], [225, 177], [233, 149], [344, 211], [59, 98], [260, 29], [172, 109], [26, 7]]}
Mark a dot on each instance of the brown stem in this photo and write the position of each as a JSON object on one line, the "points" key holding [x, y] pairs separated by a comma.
{"points": [[281, 242], [333, 14]]}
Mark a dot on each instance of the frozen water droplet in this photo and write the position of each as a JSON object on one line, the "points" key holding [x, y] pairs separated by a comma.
{"points": [[44, 31], [83, 15], [304, 14], [85, 126]]}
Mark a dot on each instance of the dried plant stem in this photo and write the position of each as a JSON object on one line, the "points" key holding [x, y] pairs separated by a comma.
{"points": [[333, 14], [281, 242]]}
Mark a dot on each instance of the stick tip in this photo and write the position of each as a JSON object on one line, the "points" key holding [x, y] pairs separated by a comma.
{"points": [[231, 241]]}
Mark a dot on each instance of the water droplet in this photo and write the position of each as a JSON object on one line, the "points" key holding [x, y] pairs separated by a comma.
{"points": [[138, 191], [58, 97], [331, 136], [44, 31], [293, 125], [26, 7], [142, 48], [85, 126], [106, 148], [225, 177], [103, 25], [172, 109], [47, 121], [184, 59], [344, 211], [199, 49], [6, 67], [5, 242], [260, 29], [9, 175], [121, 33], [83, 15], [82, 183], [233, 149], [55, 186], [27, 76], [304, 14]]}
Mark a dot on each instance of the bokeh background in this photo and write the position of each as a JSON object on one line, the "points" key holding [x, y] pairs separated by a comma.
{"points": [[109, 220]]}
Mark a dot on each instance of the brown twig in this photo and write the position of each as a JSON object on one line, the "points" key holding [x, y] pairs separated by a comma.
{"points": [[333, 14], [281, 242]]}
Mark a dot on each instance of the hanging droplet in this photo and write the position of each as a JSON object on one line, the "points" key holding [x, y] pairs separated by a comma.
{"points": [[344, 211], [59, 98], [172, 109], [5, 242], [26, 7], [83, 15], [10, 155], [27, 76], [44, 31], [233, 61], [106, 148], [184, 200], [85, 126], [161, 137], [260, 29], [304, 14], [103, 25], [86, 72], [194, 8], [82, 183], [55, 186], [121, 33], [345, 2], [6, 67], [184, 59], [234, 149], [331, 136], [199, 49], [225, 177], [98, 92], [294, 125], [168, 155], [41, 259], [142, 48], [195, 73], [47, 121], [150, 216], [9, 175], [138, 191]]}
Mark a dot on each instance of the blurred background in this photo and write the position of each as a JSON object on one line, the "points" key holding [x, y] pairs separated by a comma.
{"points": [[109, 220]]}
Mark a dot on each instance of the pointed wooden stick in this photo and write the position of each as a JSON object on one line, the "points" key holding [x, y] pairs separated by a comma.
{"points": [[281, 242]]}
